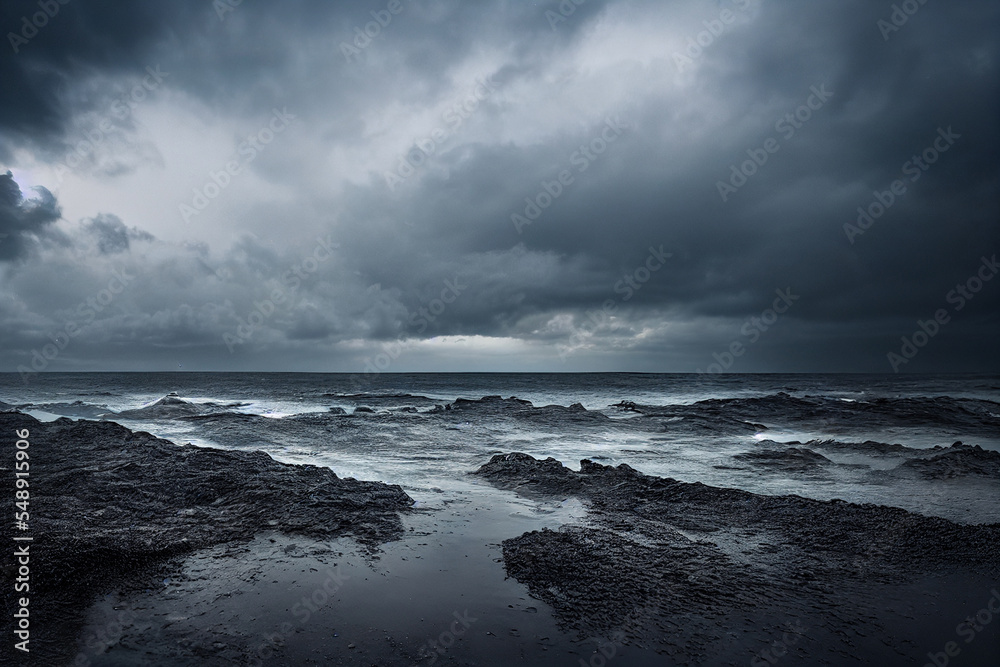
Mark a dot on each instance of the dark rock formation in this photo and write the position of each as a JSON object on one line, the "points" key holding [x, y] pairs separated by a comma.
{"points": [[956, 461], [868, 447], [792, 458], [107, 503], [668, 562], [514, 408], [495, 401]]}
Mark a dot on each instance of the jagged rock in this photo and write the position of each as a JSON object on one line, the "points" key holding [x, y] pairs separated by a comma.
{"points": [[955, 461], [657, 553], [107, 503], [792, 458]]}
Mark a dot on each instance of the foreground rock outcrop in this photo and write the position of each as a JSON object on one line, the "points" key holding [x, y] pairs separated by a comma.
{"points": [[107, 504], [668, 563], [956, 461]]}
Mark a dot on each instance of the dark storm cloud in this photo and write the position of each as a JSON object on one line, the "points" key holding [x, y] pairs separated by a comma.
{"points": [[22, 219], [112, 235], [49, 44], [785, 227], [877, 103]]}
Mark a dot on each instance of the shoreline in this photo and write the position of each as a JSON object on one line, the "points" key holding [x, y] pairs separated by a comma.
{"points": [[109, 504], [658, 550], [555, 566]]}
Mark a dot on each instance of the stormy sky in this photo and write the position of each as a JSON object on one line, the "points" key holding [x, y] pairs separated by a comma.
{"points": [[444, 185]]}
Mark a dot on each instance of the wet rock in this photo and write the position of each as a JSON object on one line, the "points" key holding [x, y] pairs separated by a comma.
{"points": [[791, 458], [869, 447], [603, 582], [76, 409], [493, 401], [170, 406], [939, 462], [108, 503], [964, 415], [525, 473], [956, 461], [665, 560], [709, 424], [834, 526], [492, 407]]}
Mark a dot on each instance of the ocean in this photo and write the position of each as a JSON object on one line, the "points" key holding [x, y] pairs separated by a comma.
{"points": [[860, 438]]}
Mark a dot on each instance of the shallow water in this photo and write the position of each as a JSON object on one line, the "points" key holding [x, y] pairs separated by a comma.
{"points": [[691, 427]]}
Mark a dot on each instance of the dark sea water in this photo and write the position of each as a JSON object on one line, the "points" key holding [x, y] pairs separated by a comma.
{"points": [[725, 430]]}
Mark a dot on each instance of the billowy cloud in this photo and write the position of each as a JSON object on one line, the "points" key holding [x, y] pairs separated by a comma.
{"points": [[482, 186]]}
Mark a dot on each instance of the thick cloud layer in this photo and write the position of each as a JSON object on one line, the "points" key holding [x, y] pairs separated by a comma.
{"points": [[744, 184], [22, 220]]}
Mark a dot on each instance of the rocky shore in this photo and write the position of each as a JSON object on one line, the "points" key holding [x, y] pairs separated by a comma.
{"points": [[640, 569], [672, 565], [108, 505]]}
